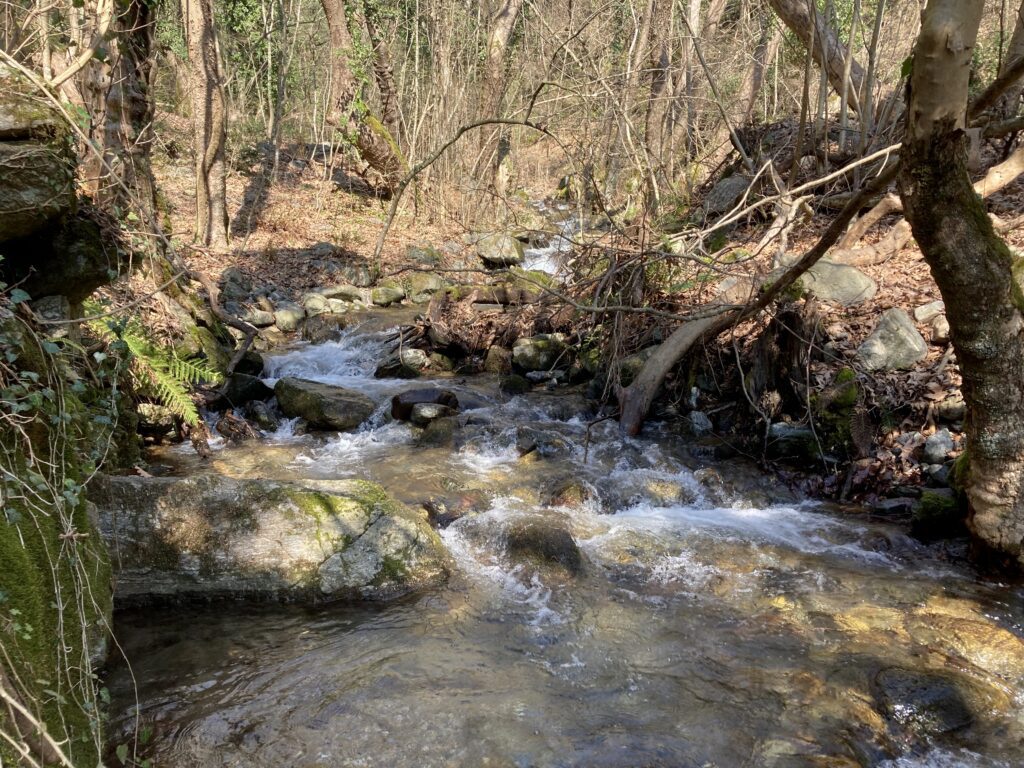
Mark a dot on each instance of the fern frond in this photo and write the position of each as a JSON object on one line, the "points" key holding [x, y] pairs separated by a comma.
{"points": [[158, 371]]}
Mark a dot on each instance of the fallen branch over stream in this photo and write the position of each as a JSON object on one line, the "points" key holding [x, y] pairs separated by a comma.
{"points": [[636, 399]]}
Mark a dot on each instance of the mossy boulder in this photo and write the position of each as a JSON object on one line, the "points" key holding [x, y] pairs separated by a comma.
{"points": [[55, 596], [541, 352], [938, 514], [218, 537], [38, 162], [386, 295], [499, 250], [323, 406]]}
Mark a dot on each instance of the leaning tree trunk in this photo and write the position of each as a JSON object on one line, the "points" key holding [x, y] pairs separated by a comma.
{"points": [[373, 141], [826, 47], [209, 121], [973, 268]]}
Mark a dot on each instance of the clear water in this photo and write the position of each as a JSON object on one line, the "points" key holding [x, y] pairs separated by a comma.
{"points": [[718, 621]]}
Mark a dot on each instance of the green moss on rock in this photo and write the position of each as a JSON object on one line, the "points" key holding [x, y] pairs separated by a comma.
{"points": [[55, 596]]}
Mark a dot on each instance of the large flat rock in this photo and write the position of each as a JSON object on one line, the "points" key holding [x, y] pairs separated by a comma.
{"points": [[216, 537], [323, 406]]}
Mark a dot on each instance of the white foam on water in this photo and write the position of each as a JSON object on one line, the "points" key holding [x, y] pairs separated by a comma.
{"points": [[941, 758], [484, 455], [796, 528], [482, 564], [346, 453], [551, 258], [353, 356]]}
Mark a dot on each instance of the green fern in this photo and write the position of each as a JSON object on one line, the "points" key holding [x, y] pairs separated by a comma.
{"points": [[158, 371]]}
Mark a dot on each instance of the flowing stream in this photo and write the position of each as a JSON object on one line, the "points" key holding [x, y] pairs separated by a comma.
{"points": [[717, 621]]}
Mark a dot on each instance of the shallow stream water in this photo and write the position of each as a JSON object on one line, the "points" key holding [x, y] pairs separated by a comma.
{"points": [[718, 620]]}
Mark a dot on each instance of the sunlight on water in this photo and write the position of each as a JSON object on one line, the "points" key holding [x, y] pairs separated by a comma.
{"points": [[716, 621]]}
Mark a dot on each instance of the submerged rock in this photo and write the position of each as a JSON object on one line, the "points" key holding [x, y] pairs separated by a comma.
{"points": [[403, 404], [543, 541], [323, 406], [213, 536], [924, 703], [572, 493]]}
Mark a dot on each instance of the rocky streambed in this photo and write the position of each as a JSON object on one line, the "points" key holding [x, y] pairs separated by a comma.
{"points": [[543, 592]]}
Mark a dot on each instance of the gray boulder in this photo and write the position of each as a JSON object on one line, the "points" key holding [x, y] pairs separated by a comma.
{"points": [[423, 285], [386, 295], [241, 388], [288, 316], [342, 291], [35, 187], [938, 446], [424, 413], [314, 304], [725, 194], [407, 363], [37, 180], [499, 250], [213, 536], [322, 406], [336, 261], [939, 327], [404, 403], [839, 283], [894, 344], [235, 285], [539, 353], [928, 312]]}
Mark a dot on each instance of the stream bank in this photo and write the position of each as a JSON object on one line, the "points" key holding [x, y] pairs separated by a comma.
{"points": [[612, 601]]}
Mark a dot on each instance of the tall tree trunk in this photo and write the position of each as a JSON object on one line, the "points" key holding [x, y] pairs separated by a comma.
{"points": [[658, 95], [116, 93], [373, 141], [496, 146], [829, 52], [973, 268], [383, 74], [209, 121], [1010, 102]]}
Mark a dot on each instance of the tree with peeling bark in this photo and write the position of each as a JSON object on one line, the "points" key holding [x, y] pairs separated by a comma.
{"points": [[348, 111], [209, 122], [980, 280]]}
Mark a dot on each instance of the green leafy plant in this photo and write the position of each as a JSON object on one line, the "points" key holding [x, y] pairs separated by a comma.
{"points": [[158, 372]]}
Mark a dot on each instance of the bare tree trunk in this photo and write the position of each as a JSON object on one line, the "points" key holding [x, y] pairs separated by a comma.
{"points": [[829, 52], [1011, 99], [373, 141], [383, 74], [209, 121], [658, 96], [492, 93], [973, 268]]}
